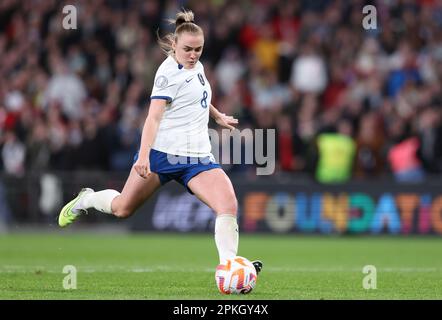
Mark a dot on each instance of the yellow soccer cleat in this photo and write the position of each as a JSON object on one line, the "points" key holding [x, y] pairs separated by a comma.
{"points": [[67, 215]]}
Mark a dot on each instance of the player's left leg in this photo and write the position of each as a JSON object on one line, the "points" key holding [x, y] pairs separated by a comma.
{"points": [[135, 192], [214, 188]]}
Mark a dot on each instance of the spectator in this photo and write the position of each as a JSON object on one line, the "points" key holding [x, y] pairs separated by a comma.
{"points": [[13, 155], [67, 88], [289, 146], [336, 151], [369, 144], [429, 130], [308, 72], [404, 161]]}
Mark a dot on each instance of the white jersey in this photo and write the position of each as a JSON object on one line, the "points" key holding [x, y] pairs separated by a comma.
{"points": [[183, 130]]}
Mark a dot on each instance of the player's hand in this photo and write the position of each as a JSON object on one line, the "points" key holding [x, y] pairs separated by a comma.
{"points": [[226, 121], [142, 167]]}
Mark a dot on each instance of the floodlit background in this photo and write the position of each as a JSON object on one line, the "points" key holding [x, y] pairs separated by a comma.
{"points": [[352, 88]]}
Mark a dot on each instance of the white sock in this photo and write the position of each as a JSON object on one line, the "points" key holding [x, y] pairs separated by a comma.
{"points": [[226, 236], [101, 200]]}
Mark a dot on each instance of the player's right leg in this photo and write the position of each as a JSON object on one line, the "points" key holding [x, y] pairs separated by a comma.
{"points": [[135, 192]]}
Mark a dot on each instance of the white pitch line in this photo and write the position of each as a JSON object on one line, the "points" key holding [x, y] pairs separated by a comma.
{"points": [[160, 268]]}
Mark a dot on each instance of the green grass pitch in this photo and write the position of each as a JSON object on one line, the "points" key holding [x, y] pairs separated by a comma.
{"points": [[182, 266]]}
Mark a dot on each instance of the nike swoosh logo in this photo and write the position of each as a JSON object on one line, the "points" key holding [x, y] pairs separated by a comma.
{"points": [[188, 80]]}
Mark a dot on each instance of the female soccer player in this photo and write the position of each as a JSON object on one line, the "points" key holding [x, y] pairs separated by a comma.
{"points": [[175, 143]]}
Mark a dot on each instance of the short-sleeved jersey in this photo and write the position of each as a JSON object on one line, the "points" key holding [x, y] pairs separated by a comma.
{"points": [[183, 130]]}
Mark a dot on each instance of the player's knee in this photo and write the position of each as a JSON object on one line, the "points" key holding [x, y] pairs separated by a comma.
{"points": [[123, 213], [230, 207]]}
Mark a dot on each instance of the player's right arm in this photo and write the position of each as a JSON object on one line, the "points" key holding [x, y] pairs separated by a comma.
{"points": [[156, 111]]}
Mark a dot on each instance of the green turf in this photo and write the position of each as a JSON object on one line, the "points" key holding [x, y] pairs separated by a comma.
{"points": [[171, 266]]}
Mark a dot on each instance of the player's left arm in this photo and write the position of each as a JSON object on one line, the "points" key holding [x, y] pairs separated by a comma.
{"points": [[222, 119]]}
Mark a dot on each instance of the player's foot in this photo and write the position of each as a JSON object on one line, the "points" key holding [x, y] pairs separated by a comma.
{"points": [[68, 214], [258, 265]]}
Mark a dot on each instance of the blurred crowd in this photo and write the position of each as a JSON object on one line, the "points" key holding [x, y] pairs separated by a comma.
{"points": [[77, 99]]}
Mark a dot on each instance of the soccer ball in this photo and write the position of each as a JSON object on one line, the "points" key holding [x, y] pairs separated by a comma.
{"points": [[237, 276]]}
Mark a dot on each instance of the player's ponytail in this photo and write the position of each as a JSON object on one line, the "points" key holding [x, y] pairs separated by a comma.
{"points": [[184, 22], [183, 17]]}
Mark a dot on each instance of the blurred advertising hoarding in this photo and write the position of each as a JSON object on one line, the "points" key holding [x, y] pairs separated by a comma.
{"points": [[268, 204]]}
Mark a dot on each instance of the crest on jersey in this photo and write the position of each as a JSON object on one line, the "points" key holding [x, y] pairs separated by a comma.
{"points": [[161, 82], [200, 76]]}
